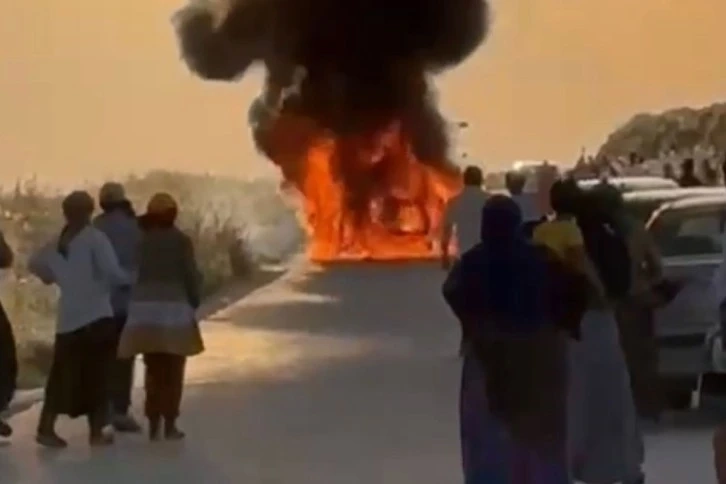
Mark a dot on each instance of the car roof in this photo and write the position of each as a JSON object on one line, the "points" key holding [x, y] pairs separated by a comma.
{"points": [[672, 194], [629, 183], [695, 202]]}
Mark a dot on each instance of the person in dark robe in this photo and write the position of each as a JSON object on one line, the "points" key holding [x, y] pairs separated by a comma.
{"points": [[8, 355], [635, 312], [509, 301], [119, 222], [605, 441]]}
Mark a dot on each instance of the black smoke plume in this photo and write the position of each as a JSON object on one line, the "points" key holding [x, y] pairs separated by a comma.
{"points": [[353, 64], [350, 68]]}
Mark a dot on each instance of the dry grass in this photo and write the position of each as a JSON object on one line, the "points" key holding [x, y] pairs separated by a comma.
{"points": [[236, 226]]}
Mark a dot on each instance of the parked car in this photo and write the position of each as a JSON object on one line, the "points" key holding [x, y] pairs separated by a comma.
{"points": [[688, 233], [642, 203], [630, 183]]}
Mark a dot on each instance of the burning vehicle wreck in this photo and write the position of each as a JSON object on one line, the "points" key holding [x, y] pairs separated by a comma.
{"points": [[348, 112]]}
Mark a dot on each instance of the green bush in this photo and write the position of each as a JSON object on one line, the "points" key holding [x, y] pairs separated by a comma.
{"points": [[225, 218]]}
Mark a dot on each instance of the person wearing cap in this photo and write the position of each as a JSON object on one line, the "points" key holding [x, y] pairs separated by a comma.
{"points": [[8, 353], [82, 263], [118, 221], [162, 324]]}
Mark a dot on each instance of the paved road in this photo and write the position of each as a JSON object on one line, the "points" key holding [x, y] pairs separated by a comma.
{"points": [[344, 376]]}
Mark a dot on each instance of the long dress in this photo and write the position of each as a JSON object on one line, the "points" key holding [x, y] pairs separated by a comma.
{"points": [[605, 443], [8, 361], [490, 453]]}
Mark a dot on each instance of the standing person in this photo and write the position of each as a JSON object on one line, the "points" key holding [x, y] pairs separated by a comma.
{"points": [[162, 323], [83, 264], [462, 218], [527, 202], [669, 172], [514, 380], [8, 355], [635, 312], [118, 222], [605, 441], [710, 174], [688, 176], [462, 214]]}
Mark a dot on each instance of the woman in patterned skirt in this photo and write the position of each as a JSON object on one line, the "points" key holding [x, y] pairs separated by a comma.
{"points": [[162, 324]]}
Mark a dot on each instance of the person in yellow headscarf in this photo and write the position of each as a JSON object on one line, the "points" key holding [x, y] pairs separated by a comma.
{"points": [[162, 324]]}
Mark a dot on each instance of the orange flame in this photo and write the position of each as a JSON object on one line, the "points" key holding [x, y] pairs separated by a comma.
{"points": [[365, 197]]}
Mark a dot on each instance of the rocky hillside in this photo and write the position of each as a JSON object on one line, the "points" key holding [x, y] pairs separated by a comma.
{"points": [[681, 129]]}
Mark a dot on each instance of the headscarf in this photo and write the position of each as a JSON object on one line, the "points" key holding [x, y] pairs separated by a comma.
{"points": [[499, 291], [77, 209], [504, 275], [161, 211]]}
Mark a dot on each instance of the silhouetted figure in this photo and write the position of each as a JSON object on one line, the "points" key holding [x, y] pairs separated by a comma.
{"points": [[162, 324], [462, 217], [527, 202], [462, 214], [514, 382], [669, 172], [84, 266], [602, 450], [688, 176], [118, 222], [710, 174], [8, 355]]}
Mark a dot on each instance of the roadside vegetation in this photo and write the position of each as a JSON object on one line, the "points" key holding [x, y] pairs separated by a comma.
{"points": [[237, 227]]}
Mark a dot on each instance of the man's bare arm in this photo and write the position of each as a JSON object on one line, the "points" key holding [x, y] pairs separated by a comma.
{"points": [[445, 242]]}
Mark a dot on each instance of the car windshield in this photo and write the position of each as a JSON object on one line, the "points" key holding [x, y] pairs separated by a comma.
{"points": [[689, 232]]}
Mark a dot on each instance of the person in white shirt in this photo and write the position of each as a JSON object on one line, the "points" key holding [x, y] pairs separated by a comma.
{"points": [[84, 266], [462, 219], [462, 216]]}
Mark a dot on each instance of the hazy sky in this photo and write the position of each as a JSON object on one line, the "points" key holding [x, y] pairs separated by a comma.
{"points": [[89, 88]]}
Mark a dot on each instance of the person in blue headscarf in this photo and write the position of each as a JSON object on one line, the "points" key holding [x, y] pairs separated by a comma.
{"points": [[509, 296]]}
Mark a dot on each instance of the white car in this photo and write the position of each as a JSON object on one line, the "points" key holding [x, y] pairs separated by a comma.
{"points": [[642, 203], [688, 233], [630, 183]]}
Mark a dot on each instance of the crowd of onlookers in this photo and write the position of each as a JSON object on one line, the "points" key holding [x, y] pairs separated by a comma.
{"points": [[688, 171], [556, 291], [129, 285]]}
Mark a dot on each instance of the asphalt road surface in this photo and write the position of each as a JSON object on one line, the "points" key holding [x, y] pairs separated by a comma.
{"points": [[342, 376]]}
